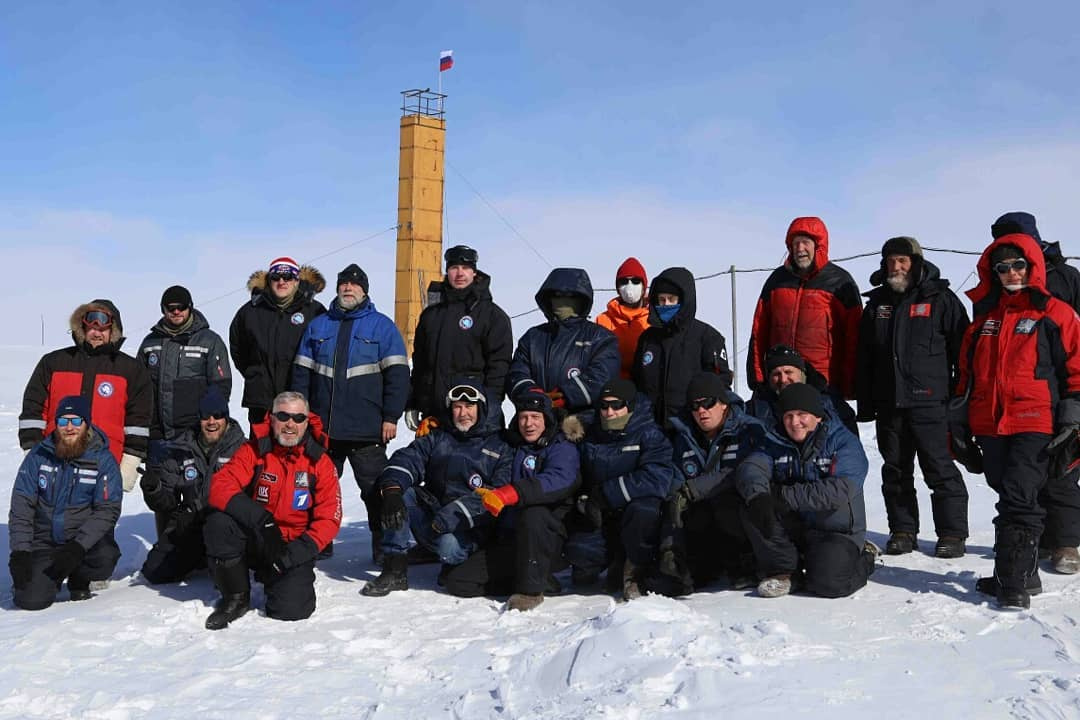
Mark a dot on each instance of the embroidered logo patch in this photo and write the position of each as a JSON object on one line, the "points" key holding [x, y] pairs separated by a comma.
{"points": [[262, 493], [301, 500], [647, 358], [475, 481], [152, 359], [690, 469], [1025, 326], [884, 312], [297, 319], [465, 323], [301, 479], [42, 482], [105, 389], [920, 310], [190, 473], [268, 477], [530, 462], [990, 327]]}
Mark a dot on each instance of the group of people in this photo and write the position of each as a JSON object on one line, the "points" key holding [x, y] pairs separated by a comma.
{"points": [[628, 457]]}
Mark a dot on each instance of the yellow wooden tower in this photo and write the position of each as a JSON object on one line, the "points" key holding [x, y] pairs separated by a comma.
{"points": [[420, 206]]}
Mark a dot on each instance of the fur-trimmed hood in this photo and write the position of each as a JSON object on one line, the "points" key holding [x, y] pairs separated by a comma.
{"points": [[312, 283], [78, 332]]}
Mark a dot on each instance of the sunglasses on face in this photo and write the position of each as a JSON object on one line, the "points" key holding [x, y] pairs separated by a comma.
{"points": [[1018, 265], [611, 404], [706, 403], [176, 307], [628, 281], [97, 319], [282, 276], [221, 416], [298, 418], [65, 421]]}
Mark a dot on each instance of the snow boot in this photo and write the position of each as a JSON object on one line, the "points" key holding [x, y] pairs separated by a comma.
{"points": [[1016, 558], [989, 585], [1065, 560], [950, 547], [394, 576], [523, 602], [901, 543], [775, 586], [231, 578]]}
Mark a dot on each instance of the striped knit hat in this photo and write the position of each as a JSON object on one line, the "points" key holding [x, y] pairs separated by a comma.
{"points": [[284, 265]]}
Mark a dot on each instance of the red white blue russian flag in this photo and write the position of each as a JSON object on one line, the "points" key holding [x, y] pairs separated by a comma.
{"points": [[446, 60]]}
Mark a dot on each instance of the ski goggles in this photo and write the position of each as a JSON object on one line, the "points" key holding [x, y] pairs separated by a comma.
{"points": [[707, 403], [298, 418], [611, 404], [97, 319], [465, 393], [1019, 265], [73, 421]]}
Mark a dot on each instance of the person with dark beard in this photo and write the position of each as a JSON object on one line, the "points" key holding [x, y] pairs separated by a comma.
{"points": [[64, 507]]}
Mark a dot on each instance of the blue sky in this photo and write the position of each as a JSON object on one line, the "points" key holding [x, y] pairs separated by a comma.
{"points": [[151, 143]]}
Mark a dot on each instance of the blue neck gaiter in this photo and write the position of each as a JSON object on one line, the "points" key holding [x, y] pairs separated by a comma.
{"points": [[667, 312]]}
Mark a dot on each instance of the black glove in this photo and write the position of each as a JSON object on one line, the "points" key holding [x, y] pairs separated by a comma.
{"points": [[297, 552], [182, 521], [64, 560], [22, 568], [593, 506], [273, 544], [151, 480], [1063, 450], [762, 513], [393, 508]]}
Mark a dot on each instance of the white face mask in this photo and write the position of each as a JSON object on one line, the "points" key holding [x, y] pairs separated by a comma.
{"points": [[631, 293]]}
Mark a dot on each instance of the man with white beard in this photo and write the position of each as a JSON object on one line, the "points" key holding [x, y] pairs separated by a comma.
{"points": [[907, 359]]}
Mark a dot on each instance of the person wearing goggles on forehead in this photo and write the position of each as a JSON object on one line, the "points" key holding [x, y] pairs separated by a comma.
{"points": [[176, 487], [274, 506], [567, 357], [427, 489], [701, 536], [1020, 368], [677, 345], [462, 334], [266, 330], [784, 365], [184, 357], [64, 506], [909, 349], [802, 502], [626, 472], [1061, 495], [119, 388], [352, 367], [627, 314]]}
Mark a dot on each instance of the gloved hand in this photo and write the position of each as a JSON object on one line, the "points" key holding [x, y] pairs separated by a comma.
{"points": [[64, 560], [273, 544], [761, 510], [448, 518], [677, 504], [412, 418], [129, 471], [393, 508], [22, 568], [297, 552], [426, 425], [558, 400], [182, 520], [151, 481], [1064, 450], [497, 499], [593, 506]]}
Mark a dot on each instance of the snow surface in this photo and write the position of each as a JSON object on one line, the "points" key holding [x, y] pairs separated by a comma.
{"points": [[917, 642]]}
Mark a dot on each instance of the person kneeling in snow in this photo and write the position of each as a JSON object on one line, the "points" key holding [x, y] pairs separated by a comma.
{"points": [[427, 487], [804, 512], [279, 504], [64, 507], [530, 511]]}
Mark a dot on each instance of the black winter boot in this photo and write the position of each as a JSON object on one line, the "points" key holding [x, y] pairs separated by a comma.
{"points": [[231, 578], [395, 576], [1016, 558]]}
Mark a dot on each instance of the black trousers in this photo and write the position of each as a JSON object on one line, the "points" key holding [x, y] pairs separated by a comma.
{"points": [[715, 541], [367, 461], [903, 434], [1060, 498], [1016, 469], [832, 564], [518, 562], [175, 555], [40, 592], [289, 595]]}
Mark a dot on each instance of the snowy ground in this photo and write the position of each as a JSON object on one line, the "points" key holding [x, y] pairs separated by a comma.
{"points": [[918, 642]]}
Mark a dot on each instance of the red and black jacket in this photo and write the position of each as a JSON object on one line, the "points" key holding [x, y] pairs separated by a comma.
{"points": [[1021, 354]]}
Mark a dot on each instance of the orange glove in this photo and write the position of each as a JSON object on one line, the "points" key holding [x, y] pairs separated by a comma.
{"points": [[426, 425], [557, 398], [497, 499]]}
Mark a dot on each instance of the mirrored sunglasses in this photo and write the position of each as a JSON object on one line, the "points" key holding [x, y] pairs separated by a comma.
{"points": [[611, 404], [97, 319], [65, 421], [298, 418], [1018, 265], [707, 403]]}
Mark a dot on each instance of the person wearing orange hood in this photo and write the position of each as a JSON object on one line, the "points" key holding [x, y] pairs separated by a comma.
{"points": [[809, 304], [627, 315], [1020, 369]]}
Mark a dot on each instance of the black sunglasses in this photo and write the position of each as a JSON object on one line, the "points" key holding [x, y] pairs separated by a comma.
{"points": [[628, 281], [1018, 265], [176, 307], [219, 416], [298, 418], [611, 404], [285, 277], [708, 403]]}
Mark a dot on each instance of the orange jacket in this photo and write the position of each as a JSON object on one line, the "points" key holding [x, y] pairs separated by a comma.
{"points": [[627, 323]]}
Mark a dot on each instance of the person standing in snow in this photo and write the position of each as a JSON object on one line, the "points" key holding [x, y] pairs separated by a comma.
{"points": [[627, 314]]}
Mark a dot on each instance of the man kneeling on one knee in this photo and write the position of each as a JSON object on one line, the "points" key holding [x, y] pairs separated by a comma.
{"points": [[804, 512]]}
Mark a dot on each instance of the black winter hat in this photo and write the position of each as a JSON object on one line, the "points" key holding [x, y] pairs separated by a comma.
{"points": [[800, 396], [706, 385], [1015, 222], [1004, 252], [902, 245], [461, 255], [779, 355], [355, 275], [663, 285], [176, 294], [213, 403], [620, 388], [73, 405]]}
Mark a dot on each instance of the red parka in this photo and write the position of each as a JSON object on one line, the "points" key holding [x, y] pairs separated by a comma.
{"points": [[297, 485], [1021, 353], [817, 314]]}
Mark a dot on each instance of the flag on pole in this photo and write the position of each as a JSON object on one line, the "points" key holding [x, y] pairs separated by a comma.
{"points": [[446, 60]]}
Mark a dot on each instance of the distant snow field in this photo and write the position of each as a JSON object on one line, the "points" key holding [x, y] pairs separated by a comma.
{"points": [[917, 642]]}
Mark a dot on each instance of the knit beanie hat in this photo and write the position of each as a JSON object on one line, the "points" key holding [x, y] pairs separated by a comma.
{"points": [[620, 388], [213, 403], [353, 274], [177, 294], [1015, 222], [800, 396], [632, 267], [706, 385], [283, 265], [779, 355], [73, 405]]}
